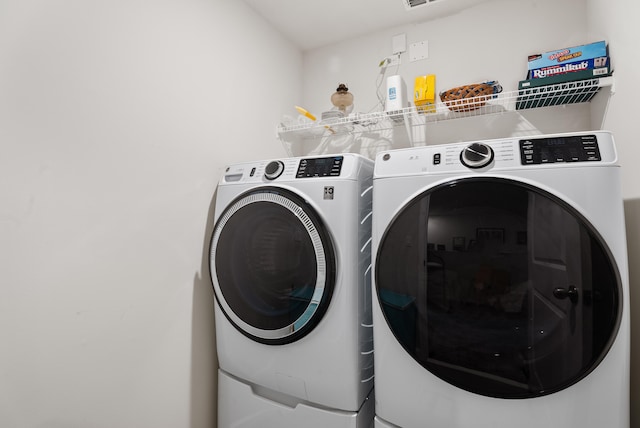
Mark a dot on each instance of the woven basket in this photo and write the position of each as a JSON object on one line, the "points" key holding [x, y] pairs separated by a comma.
{"points": [[469, 97]]}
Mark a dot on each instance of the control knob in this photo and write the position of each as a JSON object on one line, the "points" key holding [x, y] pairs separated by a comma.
{"points": [[273, 170], [476, 155]]}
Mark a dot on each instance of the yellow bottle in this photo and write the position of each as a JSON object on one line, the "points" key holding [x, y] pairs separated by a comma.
{"points": [[424, 93]]}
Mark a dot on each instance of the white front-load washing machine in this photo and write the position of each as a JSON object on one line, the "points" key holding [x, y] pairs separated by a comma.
{"points": [[501, 285], [290, 262]]}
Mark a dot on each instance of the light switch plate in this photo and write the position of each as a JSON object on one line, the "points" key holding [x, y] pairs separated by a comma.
{"points": [[419, 50]]}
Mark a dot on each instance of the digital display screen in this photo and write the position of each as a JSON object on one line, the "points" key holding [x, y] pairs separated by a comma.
{"points": [[582, 148], [555, 142], [320, 167]]}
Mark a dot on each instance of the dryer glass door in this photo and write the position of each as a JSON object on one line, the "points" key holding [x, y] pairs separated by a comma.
{"points": [[272, 265], [498, 288]]}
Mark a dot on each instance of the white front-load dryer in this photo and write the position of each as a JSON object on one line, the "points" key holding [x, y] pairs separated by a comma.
{"points": [[501, 285], [290, 262]]}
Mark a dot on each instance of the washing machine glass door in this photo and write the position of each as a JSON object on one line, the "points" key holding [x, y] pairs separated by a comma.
{"points": [[272, 265], [498, 288]]}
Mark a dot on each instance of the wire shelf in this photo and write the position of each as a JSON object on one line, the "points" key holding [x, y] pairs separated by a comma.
{"points": [[523, 99]]}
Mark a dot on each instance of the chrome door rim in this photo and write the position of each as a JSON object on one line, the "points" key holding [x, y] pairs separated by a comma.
{"points": [[321, 272]]}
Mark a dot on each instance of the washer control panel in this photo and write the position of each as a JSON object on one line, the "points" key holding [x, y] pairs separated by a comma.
{"points": [[580, 148], [320, 167]]}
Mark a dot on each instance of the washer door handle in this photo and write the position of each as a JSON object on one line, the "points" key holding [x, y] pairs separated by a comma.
{"points": [[571, 293]]}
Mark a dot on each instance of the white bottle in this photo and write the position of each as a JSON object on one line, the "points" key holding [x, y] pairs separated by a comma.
{"points": [[396, 94]]}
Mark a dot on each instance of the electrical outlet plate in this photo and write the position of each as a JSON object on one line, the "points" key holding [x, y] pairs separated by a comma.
{"points": [[394, 60]]}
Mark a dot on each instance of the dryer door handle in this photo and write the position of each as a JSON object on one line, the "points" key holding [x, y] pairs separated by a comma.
{"points": [[563, 293]]}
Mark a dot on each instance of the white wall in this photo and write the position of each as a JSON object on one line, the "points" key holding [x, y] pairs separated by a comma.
{"points": [[485, 42], [116, 119]]}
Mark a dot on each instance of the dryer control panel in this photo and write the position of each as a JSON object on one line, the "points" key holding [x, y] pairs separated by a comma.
{"points": [[579, 148], [584, 149], [320, 167]]}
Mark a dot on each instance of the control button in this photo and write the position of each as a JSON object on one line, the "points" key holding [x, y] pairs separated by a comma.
{"points": [[436, 159], [273, 170], [476, 155], [253, 171]]}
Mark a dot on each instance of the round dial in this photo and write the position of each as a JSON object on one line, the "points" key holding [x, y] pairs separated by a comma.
{"points": [[273, 170], [476, 155]]}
